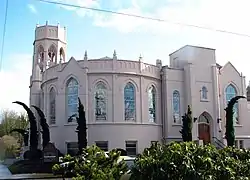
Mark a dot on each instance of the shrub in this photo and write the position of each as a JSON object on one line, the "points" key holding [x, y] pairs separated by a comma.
{"points": [[188, 161], [92, 164]]}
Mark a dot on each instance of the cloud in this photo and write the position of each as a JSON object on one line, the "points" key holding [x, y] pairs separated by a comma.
{"points": [[83, 3], [210, 13], [32, 8], [16, 82]]}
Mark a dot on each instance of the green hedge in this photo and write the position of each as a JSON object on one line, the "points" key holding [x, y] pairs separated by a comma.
{"points": [[92, 164], [188, 161], [175, 161]]}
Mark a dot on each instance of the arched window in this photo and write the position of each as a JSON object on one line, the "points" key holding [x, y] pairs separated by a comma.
{"points": [[40, 56], [204, 92], [52, 53], [230, 93], [62, 55], [52, 107], [100, 101], [151, 103], [129, 101], [176, 107], [72, 99]]}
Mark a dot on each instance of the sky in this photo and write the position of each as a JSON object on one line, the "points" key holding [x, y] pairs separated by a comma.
{"points": [[100, 33]]}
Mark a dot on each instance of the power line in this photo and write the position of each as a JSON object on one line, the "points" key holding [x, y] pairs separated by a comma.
{"points": [[144, 17], [4, 32]]}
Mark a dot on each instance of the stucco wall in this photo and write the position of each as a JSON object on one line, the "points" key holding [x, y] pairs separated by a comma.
{"points": [[190, 69]]}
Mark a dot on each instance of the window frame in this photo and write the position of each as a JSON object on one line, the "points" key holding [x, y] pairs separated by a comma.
{"points": [[69, 114], [135, 147], [175, 113], [152, 110], [105, 143], [132, 101], [52, 112], [104, 101]]}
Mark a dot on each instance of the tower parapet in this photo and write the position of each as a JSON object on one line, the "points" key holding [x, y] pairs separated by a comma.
{"points": [[49, 45]]}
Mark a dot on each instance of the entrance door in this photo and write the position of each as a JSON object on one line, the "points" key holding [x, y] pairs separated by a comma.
{"points": [[204, 132]]}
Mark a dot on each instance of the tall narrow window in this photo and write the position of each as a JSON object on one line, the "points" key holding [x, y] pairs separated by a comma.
{"points": [[129, 101], [52, 108], [72, 99], [176, 107], [151, 103], [230, 93], [100, 101], [204, 93]]}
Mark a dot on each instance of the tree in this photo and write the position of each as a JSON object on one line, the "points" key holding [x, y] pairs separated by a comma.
{"points": [[9, 147], [44, 125], [187, 126], [12, 120], [230, 134], [24, 133], [81, 128]]}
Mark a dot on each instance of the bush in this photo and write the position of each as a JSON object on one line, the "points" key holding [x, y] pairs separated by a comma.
{"points": [[92, 164], [9, 147], [188, 161]]}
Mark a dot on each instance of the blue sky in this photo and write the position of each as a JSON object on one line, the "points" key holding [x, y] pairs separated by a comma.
{"points": [[101, 33]]}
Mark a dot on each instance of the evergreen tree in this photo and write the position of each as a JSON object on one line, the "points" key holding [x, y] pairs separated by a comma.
{"points": [[34, 153], [81, 128], [230, 134], [187, 125], [44, 125]]}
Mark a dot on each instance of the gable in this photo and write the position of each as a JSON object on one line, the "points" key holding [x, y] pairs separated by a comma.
{"points": [[230, 68], [72, 65]]}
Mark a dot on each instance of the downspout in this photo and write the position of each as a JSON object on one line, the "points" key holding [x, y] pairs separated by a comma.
{"points": [[163, 106]]}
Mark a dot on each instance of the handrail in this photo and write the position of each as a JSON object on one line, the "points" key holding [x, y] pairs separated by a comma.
{"points": [[219, 142]]}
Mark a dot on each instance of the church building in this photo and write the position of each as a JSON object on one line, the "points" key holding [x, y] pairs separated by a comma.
{"points": [[129, 104]]}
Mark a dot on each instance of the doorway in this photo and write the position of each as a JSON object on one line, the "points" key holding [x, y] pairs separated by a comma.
{"points": [[204, 127]]}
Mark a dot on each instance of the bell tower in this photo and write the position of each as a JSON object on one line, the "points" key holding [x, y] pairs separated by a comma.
{"points": [[49, 46], [49, 49]]}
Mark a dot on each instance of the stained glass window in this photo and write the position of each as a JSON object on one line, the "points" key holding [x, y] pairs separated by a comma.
{"points": [[230, 93], [204, 92], [176, 107], [52, 110], [72, 99], [101, 101], [129, 101], [151, 104]]}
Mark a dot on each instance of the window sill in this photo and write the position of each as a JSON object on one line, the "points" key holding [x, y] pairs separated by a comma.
{"points": [[204, 100], [238, 125], [101, 120], [176, 124], [53, 125], [71, 124]]}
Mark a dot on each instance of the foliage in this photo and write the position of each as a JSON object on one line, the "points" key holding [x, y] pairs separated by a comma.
{"points": [[188, 161], [9, 147], [24, 133], [44, 125], [187, 125], [81, 128], [230, 135], [92, 164], [13, 120]]}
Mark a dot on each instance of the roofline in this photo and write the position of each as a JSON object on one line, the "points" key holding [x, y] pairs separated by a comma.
{"points": [[192, 46]]}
